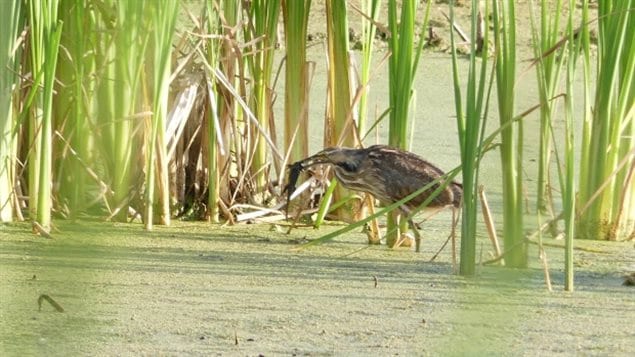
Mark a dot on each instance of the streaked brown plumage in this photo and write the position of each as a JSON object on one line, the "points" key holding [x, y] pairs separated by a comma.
{"points": [[387, 173]]}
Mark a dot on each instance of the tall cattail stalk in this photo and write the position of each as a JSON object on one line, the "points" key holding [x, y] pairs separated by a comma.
{"points": [[471, 124], [228, 111], [402, 67], [120, 57], [71, 105], [261, 32], [607, 192], [297, 78], [296, 92], [504, 22], [548, 68], [163, 21], [45, 37], [568, 181], [339, 128], [11, 21]]}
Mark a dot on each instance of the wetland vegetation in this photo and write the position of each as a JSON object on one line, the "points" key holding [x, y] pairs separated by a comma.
{"points": [[145, 147]]}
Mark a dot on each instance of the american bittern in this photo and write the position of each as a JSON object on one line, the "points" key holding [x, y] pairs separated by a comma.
{"points": [[387, 173]]}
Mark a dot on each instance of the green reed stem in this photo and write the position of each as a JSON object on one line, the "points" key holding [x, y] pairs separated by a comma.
{"points": [[471, 125], [548, 68], [213, 123], [370, 8]]}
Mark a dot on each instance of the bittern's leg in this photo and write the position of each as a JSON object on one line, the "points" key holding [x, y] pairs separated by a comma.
{"points": [[406, 213], [413, 226], [402, 237], [372, 231]]}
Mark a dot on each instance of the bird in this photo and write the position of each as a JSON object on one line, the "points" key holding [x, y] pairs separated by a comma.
{"points": [[387, 173]]}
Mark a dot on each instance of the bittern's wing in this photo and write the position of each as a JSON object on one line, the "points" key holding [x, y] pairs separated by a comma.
{"points": [[403, 173]]}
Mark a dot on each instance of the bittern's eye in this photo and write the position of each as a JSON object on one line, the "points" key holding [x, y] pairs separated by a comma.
{"points": [[347, 166]]}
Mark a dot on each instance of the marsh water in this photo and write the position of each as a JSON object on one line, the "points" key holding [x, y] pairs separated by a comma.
{"points": [[195, 289]]}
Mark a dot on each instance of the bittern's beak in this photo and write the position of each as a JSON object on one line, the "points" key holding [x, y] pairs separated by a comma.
{"points": [[296, 168], [317, 159]]}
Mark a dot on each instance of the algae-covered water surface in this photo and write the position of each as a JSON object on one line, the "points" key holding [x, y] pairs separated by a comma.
{"points": [[196, 289]]}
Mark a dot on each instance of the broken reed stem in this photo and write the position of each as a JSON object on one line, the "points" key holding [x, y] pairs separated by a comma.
{"points": [[546, 225], [507, 252], [489, 221], [545, 266], [452, 237]]}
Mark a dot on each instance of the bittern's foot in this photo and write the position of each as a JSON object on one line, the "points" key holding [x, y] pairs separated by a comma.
{"points": [[373, 236], [405, 240]]}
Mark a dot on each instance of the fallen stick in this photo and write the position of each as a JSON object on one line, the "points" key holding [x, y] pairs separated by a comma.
{"points": [[50, 300], [456, 28], [37, 228]]}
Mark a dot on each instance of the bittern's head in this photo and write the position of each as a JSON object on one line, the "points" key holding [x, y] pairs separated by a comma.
{"points": [[343, 159]]}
